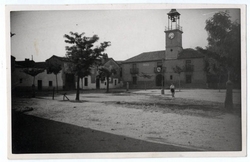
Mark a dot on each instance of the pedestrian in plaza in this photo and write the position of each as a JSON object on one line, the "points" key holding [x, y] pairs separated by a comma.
{"points": [[172, 89]]}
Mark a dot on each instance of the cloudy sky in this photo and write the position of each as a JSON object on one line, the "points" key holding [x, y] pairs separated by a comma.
{"points": [[131, 32]]}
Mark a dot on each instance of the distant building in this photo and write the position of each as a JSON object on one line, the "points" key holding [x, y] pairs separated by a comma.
{"points": [[157, 69], [65, 78], [94, 82], [23, 81]]}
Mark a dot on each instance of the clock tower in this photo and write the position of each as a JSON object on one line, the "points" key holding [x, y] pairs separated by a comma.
{"points": [[173, 34]]}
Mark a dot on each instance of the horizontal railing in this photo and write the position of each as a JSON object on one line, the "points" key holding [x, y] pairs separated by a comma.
{"points": [[174, 27]]}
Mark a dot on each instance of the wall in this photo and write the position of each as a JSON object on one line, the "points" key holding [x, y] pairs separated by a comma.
{"points": [[144, 67], [114, 82], [91, 85], [27, 80], [198, 75]]}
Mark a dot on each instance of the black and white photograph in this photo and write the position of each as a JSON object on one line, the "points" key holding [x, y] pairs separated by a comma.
{"points": [[127, 80]]}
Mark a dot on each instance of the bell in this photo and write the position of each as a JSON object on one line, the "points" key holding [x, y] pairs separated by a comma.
{"points": [[173, 19]]}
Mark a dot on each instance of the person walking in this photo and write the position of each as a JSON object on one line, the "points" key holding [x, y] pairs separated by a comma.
{"points": [[172, 89]]}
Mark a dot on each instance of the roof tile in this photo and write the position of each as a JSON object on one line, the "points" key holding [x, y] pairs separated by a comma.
{"points": [[148, 56]]}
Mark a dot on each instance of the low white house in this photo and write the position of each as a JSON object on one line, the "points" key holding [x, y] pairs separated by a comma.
{"points": [[64, 79], [42, 81], [94, 82]]}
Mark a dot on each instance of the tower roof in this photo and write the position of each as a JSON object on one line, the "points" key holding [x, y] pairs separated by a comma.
{"points": [[173, 12]]}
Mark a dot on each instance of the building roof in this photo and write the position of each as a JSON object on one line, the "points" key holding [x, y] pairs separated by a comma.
{"points": [[189, 53], [119, 62], [110, 59], [25, 64], [40, 65], [60, 58], [148, 56]]}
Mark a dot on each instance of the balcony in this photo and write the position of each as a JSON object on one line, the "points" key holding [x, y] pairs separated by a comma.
{"points": [[189, 68], [159, 70], [134, 71], [174, 27]]}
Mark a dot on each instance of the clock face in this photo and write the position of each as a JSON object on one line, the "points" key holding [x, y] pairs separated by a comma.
{"points": [[171, 35], [158, 69]]}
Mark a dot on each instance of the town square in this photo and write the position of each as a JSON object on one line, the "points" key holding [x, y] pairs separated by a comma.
{"points": [[124, 80]]}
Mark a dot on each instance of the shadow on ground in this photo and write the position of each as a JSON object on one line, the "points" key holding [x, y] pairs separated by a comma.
{"points": [[37, 135]]}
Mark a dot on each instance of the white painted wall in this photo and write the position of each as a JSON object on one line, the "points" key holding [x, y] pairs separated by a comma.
{"points": [[21, 79], [102, 84]]}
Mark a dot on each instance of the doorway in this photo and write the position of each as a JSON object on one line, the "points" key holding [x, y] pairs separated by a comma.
{"points": [[97, 83], [39, 85], [159, 79]]}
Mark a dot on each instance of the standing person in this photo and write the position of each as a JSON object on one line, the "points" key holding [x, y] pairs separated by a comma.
{"points": [[172, 89]]}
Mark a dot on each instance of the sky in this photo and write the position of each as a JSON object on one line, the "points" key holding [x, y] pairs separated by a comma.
{"points": [[39, 34]]}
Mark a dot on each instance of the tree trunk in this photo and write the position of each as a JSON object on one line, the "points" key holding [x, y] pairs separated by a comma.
{"points": [[56, 84], [78, 89], [219, 83], [229, 96], [33, 88], [34, 80], [179, 82], [107, 85]]}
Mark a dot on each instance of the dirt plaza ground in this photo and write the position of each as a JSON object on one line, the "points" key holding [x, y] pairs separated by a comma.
{"points": [[121, 121]]}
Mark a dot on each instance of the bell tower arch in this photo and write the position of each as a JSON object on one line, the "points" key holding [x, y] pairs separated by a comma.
{"points": [[173, 34]]}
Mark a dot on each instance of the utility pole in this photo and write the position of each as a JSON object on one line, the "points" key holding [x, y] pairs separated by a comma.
{"points": [[162, 90]]}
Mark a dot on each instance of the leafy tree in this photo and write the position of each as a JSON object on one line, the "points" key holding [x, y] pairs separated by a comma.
{"points": [[33, 72], [214, 66], [83, 54], [54, 68], [179, 70], [106, 72], [224, 40], [145, 76]]}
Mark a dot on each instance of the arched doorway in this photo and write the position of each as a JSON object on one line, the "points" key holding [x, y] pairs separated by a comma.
{"points": [[158, 80]]}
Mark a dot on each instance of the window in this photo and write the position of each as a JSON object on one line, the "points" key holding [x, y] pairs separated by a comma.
{"points": [[188, 78], [188, 62], [50, 83], [21, 80], [115, 81], [85, 81], [133, 66], [171, 77], [134, 80], [159, 64]]}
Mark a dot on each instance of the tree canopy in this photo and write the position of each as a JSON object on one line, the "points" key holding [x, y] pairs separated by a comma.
{"points": [[224, 41], [33, 72], [106, 72], [82, 53], [54, 67]]}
